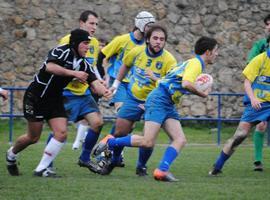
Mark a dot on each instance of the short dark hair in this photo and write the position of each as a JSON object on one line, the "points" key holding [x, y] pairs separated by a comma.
{"points": [[156, 27], [203, 44], [267, 18], [85, 14]]}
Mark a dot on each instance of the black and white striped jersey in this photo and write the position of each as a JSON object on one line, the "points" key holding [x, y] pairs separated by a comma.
{"points": [[49, 85]]}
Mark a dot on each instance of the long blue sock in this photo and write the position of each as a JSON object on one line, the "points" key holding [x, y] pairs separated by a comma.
{"points": [[168, 157], [117, 154], [221, 160], [120, 142], [144, 155], [90, 141], [112, 130], [50, 136]]}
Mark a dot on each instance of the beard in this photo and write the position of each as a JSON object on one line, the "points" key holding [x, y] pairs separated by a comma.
{"points": [[152, 49]]}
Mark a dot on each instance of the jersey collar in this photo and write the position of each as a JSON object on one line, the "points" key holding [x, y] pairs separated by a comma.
{"points": [[152, 56], [201, 61], [133, 39]]}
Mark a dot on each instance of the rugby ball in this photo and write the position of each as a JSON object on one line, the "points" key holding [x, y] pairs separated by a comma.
{"points": [[203, 82]]}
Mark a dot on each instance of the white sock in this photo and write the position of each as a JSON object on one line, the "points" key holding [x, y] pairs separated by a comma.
{"points": [[10, 154], [50, 152], [81, 133]]}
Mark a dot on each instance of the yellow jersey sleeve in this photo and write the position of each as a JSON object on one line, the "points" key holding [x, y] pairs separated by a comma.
{"points": [[113, 47], [252, 70], [64, 40], [129, 58]]}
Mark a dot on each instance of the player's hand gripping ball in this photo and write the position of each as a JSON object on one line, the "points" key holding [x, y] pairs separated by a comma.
{"points": [[204, 82]]}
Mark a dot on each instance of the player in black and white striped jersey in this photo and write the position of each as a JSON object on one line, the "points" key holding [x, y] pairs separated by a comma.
{"points": [[43, 99]]}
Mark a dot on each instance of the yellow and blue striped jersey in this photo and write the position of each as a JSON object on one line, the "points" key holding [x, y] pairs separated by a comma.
{"points": [[139, 59], [188, 70], [117, 49], [258, 73], [75, 87]]}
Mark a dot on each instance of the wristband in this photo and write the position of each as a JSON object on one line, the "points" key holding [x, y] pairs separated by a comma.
{"points": [[116, 83]]}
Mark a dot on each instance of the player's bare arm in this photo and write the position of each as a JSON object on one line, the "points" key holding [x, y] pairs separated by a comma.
{"points": [[256, 104], [121, 75], [191, 88]]}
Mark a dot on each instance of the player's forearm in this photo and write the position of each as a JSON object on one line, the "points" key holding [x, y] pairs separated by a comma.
{"points": [[100, 66], [122, 72], [191, 88], [248, 89], [58, 70]]}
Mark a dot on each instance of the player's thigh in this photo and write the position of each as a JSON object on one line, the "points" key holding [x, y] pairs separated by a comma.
{"points": [[261, 126], [151, 131], [94, 119], [174, 129]]}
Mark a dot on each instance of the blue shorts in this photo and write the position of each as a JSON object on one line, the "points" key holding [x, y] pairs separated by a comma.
{"points": [[121, 93], [78, 106], [159, 107], [255, 116], [130, 110]]}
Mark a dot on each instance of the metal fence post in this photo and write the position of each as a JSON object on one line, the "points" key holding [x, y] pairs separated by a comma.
{"points": [[11, 116], [219, 121]]}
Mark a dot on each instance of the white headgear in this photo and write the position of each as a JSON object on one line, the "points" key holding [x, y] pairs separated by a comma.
{"points": [[142, 19]]}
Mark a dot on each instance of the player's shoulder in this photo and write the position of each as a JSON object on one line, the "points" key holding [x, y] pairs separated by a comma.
{"points": [[65, 39], [61, 48], [141, 49], [168, 54], [122, 38], [260, 42], [261, 57], [94, 41]]}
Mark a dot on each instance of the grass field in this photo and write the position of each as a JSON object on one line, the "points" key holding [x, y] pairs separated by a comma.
{"points": [[238, 181]]}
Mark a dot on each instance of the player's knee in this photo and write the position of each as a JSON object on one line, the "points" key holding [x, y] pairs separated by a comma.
{"points": [[146, 143], [60, 135], [183, 142], [97, 124], [121, 131], [179, 142], [261, 127]]}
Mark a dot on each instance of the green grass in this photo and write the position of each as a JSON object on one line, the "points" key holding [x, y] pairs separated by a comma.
{"points": [[238, 181], [199, 133]]}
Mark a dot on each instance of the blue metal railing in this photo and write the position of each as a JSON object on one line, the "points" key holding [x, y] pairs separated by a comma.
{"points": [[219, 119]]}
